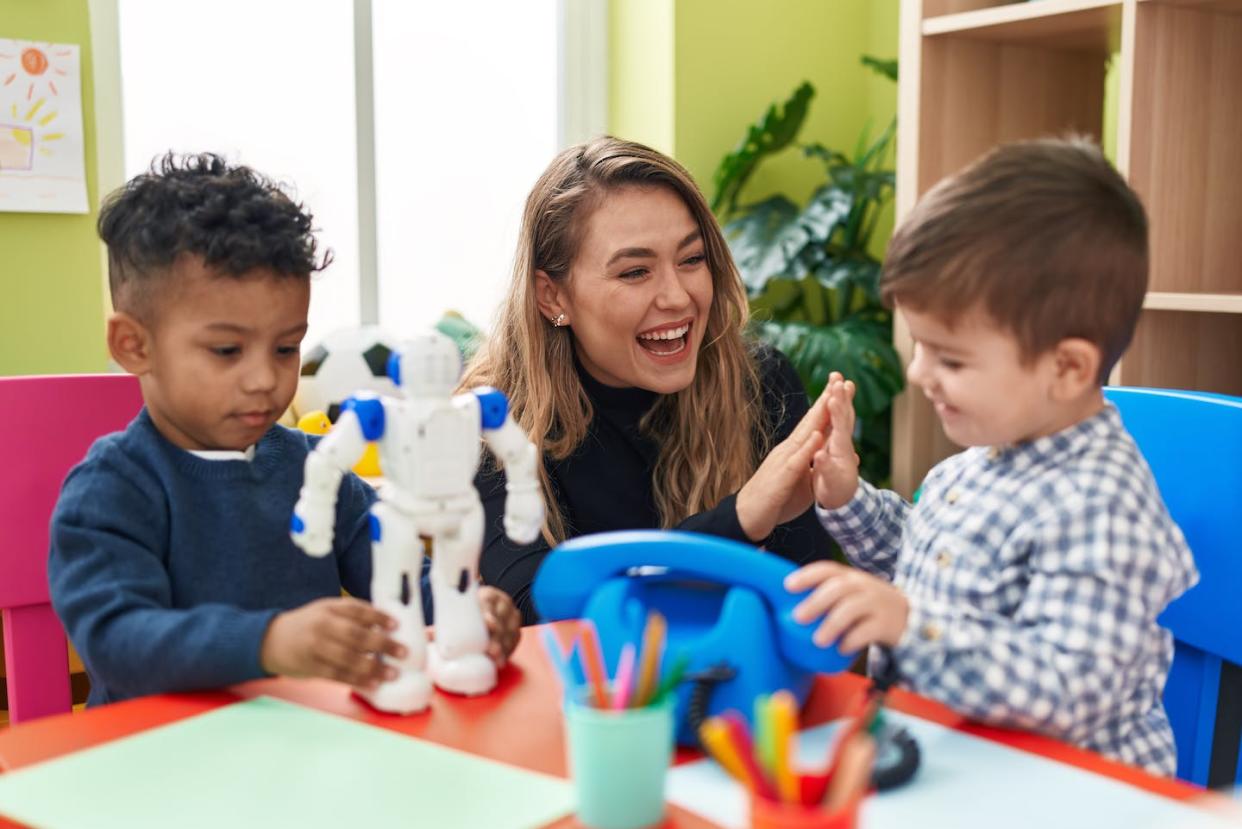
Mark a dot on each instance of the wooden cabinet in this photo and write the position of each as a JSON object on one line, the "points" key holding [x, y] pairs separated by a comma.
{"points": [[976, 73]]}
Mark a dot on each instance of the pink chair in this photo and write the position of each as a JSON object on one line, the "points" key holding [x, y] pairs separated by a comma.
{"points": [[46, 426]]}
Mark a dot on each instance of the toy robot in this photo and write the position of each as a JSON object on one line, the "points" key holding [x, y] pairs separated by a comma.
{"points": [[429, 449]]}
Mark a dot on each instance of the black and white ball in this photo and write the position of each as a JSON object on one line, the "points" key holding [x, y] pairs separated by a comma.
{"points": [[346, 362]]}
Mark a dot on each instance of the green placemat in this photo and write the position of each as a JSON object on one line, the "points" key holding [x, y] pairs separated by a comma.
{"points": [[268, 763]]}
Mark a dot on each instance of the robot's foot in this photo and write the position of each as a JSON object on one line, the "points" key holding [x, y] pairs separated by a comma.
{"points": [[471, 674], [409, 693]]}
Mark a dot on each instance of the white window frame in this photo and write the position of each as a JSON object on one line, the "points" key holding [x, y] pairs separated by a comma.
{"points": [[582, 91]]}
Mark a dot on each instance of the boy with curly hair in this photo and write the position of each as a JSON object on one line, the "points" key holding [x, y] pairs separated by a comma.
{"points": [[171, 564]]}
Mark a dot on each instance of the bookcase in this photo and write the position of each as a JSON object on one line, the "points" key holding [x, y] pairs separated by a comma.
{"points": [[976, 73]]}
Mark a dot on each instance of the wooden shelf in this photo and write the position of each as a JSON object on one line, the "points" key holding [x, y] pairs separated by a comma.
{"points": [[978, 73], [1061, 25], [1223, 6], [1205, 303], [1185, 350]]}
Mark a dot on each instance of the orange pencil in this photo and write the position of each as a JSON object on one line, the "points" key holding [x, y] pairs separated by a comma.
{"points": [[852, 776], [593, 665], [653, 651]]}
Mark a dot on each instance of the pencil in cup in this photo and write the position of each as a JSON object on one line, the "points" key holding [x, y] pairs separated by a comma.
{"points": [[780, 797]]}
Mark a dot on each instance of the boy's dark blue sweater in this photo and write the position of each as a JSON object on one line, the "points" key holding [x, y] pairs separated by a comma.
{"points": [[166, 568]]}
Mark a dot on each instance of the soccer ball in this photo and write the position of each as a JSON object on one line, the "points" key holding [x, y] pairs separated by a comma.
{"points": [[346, 362]]}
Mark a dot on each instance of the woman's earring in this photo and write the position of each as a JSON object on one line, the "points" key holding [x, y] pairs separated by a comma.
{"points": [[560, 321]]}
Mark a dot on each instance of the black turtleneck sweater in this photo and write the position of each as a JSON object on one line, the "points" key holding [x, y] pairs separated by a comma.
{"points": [[606, 484]]}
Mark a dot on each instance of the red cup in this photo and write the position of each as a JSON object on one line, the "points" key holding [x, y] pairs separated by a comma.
{"points": [[775, 814]]}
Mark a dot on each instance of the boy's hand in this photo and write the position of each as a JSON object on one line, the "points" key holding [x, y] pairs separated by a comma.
{"points": [[780, 489], [504, 623], [835, 478], [861, 609], [338, 638]]}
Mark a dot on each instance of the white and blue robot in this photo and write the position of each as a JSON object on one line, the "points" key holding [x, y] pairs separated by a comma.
{"points": [[429, 451]]}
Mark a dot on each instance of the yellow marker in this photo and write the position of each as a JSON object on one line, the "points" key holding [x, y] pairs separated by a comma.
{"points": [[714, 735], [784, 713]]}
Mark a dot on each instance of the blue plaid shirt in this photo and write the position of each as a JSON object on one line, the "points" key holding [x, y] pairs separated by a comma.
{"points": [[1035, 574]]}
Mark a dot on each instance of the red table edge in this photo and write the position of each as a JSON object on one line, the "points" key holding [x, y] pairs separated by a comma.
{"points": [[832, 696]]}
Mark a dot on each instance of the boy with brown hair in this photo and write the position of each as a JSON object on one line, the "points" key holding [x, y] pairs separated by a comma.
{"points": [[171, 565], [1024, 586]]}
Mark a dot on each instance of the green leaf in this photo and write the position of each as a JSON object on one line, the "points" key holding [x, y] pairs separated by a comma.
{"points": [[765, 241], [860, 349], [887, 68], [772, 133], [840, 274]]}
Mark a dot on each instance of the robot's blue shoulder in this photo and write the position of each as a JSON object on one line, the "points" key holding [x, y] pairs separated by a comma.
{"points": [[493, 406], [370, 413]]}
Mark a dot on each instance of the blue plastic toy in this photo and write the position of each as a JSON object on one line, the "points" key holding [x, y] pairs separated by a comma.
{"points": [[725, 604]]}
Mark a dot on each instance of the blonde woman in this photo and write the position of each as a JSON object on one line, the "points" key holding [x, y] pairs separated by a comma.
{"points": [[622, 351]]}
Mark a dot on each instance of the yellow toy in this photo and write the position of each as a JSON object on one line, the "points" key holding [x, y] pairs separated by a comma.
{"points": [[317, 423]]}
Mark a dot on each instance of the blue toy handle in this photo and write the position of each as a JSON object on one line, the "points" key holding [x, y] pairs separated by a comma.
{"points": [[575, 569]]}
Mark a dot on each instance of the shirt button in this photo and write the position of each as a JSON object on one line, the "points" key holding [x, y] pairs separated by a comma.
{"points": [[930, 631], [944, 559], [952, 496], [994, 453]]}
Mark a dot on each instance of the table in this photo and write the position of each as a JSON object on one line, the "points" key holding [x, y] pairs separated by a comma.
{"points": [[519, 724]]}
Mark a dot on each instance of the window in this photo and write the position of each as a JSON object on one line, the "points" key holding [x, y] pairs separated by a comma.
{"points": [[268, 84], [467, 113], [465, 121]]}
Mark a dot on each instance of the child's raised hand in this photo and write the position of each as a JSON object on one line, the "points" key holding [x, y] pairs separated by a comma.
{"points": [[504, 623], [338, 638], [835, 476], [860, 609]]}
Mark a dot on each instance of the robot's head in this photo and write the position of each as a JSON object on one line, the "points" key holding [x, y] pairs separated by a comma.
{"points": [[428, 365]]}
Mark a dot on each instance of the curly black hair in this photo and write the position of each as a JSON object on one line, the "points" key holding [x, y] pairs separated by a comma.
{"points": [[233, 217]]}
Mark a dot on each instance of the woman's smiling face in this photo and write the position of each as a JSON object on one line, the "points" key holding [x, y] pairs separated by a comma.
{"points": [[639, 291]]}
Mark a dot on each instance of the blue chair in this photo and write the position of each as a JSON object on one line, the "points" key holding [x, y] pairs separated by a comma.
{"points": [[1193, 443]]}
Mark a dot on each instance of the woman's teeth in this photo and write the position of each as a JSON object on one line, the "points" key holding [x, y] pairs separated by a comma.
{"points": [[668, 341]]}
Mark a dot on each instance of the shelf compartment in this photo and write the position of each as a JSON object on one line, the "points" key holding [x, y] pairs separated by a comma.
{"points": [[1063, 25], [1184, 157], [977, 94], [1185, 350]]}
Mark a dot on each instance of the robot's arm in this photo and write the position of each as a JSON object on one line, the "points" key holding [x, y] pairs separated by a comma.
{"points": [[524, 502], [361, 420]]}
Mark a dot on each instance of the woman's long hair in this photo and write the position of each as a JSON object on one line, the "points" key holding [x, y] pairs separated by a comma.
{"points": [[709, 434]]}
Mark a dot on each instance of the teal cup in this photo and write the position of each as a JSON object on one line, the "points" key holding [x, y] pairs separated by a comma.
{"points": [[618, 761]]}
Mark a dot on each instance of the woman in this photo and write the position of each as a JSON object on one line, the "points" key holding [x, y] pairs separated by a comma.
{"points": [[621, 348]]}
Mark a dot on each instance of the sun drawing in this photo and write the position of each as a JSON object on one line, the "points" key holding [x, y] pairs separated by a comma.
{"points": [[28, 130], [36, 66]]}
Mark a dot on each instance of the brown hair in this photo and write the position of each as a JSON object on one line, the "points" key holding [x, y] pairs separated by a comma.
{"points": [[1045, 235], [708, 432]]}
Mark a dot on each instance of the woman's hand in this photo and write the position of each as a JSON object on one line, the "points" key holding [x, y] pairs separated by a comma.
{"points": [[780, 490]]}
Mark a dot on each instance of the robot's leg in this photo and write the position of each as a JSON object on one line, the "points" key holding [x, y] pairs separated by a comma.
{"points": [[396, 556], [459, 661]]}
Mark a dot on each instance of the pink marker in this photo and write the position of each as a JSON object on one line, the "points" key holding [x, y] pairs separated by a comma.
{"points": [[623, 682]]}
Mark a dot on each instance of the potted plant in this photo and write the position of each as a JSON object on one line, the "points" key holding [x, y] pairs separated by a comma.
{"points": [[813, 283]]}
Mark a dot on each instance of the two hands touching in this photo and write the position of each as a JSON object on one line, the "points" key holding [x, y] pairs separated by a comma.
{"points": [[343, 638], [817, 463]]}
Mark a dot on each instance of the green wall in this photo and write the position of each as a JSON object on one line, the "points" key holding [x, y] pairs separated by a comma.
{"points": [[51, 278], [688, 77]]}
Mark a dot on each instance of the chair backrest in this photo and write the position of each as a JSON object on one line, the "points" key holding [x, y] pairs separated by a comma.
{"points": [[48, 424], [1193, 443]]}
